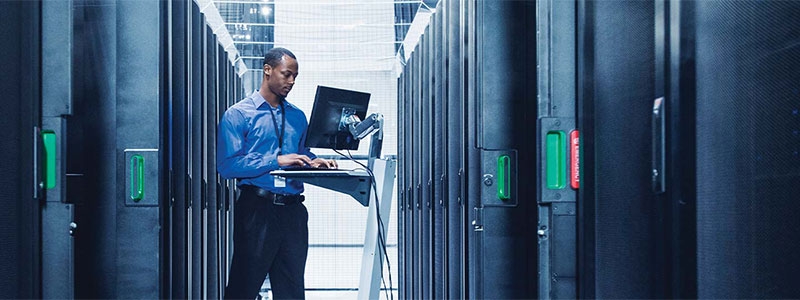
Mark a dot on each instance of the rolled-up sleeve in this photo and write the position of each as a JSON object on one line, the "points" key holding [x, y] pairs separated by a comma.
{"points": [[232, 159]]}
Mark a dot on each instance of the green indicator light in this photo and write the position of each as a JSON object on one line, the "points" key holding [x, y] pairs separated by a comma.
{"points": [[137, 178], [556, 160], [504, 177]]}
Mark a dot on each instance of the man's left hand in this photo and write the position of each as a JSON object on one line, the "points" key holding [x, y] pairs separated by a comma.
{"points": [[324, 163]]}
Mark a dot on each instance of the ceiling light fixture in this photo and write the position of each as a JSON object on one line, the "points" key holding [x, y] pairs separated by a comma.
{"points": [[266, 10]]}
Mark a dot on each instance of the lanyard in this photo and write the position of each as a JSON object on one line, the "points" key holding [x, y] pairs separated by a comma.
{"points": [[283, 126]]}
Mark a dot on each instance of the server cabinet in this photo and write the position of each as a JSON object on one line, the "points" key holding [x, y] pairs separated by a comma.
{"points": [[745, 61], [502, 110], [179, 12], [205, 84], [557, 155], [194, 135], [92, 155], [221, 184], [58, 212], [455, 135], [405, 206], [112, 141], [210, 107], [138, 139], [674, 162], [469, 213], [425, 150], [21, 145], [617, 209], [438, 158], [417, 169], [408, 180]]}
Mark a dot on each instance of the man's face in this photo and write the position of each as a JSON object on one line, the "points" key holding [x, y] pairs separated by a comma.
{"points": [[280, 78]]}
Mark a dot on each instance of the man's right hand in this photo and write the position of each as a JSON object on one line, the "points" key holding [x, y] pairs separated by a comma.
{"points": [[293, 159]]}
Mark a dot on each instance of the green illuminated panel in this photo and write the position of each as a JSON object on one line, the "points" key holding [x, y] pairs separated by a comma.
{"points": [[49, 139], [504, 177], [137, 178], [556, 164]]}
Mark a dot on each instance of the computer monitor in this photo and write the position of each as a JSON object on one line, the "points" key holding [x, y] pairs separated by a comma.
{"points": [[324, 130]]}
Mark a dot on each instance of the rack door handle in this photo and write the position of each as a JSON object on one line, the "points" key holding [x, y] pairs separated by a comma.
{"points": [[504, 177], [659, 146], [49, 141], [137, 178]]}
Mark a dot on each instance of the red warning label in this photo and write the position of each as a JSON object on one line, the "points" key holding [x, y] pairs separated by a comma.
{"points": [[574, 158]]}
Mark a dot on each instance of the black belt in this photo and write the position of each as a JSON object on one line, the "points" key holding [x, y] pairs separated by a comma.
{"points": [[277, 199]]}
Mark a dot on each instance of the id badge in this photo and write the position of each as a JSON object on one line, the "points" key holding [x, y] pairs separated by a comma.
{"points": [[280, 182]]}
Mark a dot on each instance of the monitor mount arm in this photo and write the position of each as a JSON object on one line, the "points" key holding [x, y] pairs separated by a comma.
{"points": [[360, 129]]}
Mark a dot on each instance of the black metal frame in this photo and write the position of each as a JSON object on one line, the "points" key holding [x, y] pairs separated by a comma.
{"points": [[178, 162], [676, 59], [585, 110], [165, 58]]}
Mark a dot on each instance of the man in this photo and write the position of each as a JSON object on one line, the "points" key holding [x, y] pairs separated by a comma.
{"points": [[259, 134]]}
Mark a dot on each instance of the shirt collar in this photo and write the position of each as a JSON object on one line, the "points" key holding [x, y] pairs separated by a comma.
{"points": [[257, 99]]}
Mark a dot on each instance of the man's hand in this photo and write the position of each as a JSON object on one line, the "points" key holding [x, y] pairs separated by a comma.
{"points": [[294, 159], [324, 163]]}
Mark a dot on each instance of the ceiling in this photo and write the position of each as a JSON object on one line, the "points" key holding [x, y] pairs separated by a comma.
{"points": [[250, 24]]}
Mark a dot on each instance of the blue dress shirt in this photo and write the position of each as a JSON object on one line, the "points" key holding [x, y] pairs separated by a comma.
{"points": [[247, 142]]}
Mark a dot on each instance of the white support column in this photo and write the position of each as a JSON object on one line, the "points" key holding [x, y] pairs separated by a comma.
{"points": [[369, 285]]}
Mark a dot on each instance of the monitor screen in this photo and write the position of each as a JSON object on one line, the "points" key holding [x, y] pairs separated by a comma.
{"points": [[323, 128]]}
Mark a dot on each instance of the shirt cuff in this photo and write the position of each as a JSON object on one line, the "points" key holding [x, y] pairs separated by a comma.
{"points": [[270, 161]]}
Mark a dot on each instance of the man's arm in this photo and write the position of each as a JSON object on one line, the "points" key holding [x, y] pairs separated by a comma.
{"points": [[315, 162], [303, 149], [232, 160]]}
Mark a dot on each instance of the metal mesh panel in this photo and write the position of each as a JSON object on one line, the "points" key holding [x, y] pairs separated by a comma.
{"points": [[10, 136], [14, 225], [625, 208], [748, 168]]}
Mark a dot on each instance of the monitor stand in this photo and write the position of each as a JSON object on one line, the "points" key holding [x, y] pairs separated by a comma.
{"points": [[369, 285], [358, 185]]}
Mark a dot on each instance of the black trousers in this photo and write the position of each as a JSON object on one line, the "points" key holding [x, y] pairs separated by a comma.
{"points": [[268, 239]]}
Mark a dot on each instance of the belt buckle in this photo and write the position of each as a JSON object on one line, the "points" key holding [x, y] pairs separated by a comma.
{"points": [[275, 200]]}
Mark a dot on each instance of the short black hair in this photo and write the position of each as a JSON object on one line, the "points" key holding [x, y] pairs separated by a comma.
{"points": [[274, 56]]}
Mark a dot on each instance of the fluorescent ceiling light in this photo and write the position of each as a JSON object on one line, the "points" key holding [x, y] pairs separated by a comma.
{"points": [[266, 10]]}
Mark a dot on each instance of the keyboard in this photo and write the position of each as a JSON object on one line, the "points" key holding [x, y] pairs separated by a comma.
{"points": [[310, 168]]}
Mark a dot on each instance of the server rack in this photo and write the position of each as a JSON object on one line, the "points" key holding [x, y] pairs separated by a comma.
{"points": [[201, 220], [87, 140], [22, 147], [455, 135], [502, 115], [610, 80], [557, 155], [741, 77], [113, 124], [209, 188], [194, 149], [136, 157], [58, 211], [401, 193], [489, 126], [426, 151], [219, 183], [416, 183], [180, 51], [674, 158], [436, 181]]}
